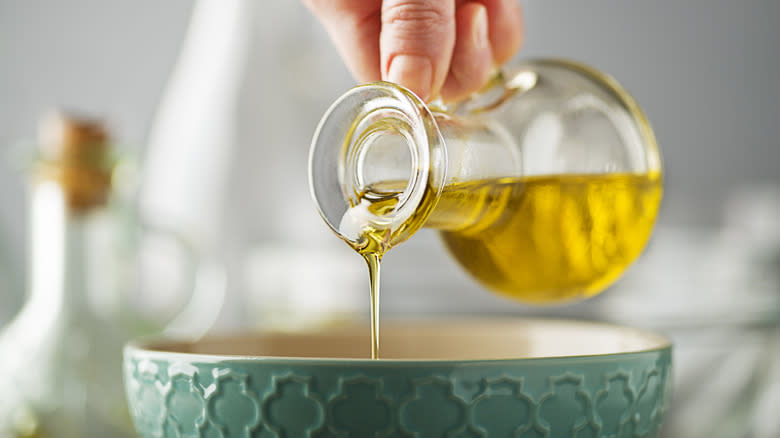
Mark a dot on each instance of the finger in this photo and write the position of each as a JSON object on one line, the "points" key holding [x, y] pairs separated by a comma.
{"points": [[472, 58], [416, 42], [353, 26], [505, 28]]}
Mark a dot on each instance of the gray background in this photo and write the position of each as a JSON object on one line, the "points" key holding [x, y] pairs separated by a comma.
{"points": [[705, 71]]}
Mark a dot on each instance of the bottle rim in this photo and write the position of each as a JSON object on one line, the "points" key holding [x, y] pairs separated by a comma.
{"points": [[358, 121]]}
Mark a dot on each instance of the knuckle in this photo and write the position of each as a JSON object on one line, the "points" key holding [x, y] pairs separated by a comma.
{"points": [[415, 16]]}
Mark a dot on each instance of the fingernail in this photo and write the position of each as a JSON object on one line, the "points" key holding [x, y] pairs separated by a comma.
{"points": [[413, 72], [480, 26]]}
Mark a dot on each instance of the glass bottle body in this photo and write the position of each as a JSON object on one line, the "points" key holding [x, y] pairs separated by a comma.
{"points": [[62, 353], [545, 186]]}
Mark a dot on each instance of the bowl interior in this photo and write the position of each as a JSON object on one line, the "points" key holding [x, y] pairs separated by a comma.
{"points": [[431, 340]]}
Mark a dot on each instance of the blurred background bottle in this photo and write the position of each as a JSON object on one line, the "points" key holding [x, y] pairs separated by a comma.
{"points": [[225, 166], [61, 354]]}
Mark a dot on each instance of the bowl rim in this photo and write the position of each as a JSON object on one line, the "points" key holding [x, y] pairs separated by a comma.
{"points": [[144, 347]]}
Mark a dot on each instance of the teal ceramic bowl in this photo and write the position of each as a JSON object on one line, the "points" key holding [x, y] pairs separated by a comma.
{"points": [[498, 378]]}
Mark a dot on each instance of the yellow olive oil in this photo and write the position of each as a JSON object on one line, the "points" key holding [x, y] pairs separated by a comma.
{"points": [[549, 239]]}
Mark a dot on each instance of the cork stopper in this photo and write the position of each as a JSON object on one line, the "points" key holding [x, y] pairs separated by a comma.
{"points": [[75, 152]]}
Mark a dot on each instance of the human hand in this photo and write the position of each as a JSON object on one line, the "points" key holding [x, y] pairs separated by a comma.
{"points": [[444, 48]]}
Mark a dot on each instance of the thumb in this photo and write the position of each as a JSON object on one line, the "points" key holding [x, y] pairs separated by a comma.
{"points": [[416, 42]]}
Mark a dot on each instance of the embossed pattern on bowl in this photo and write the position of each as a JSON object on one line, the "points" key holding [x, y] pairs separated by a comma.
{"points": [[510, 379]]}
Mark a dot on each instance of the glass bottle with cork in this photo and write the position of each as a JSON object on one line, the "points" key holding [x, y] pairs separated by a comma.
{"points": [[60, 374]]}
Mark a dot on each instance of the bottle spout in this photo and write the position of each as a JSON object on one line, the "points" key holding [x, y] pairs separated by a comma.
{"points": [[377, 165]]}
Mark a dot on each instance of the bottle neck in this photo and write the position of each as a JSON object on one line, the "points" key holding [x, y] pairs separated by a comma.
{"points": [[71, 182], [380, 159], [62, 246]]}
